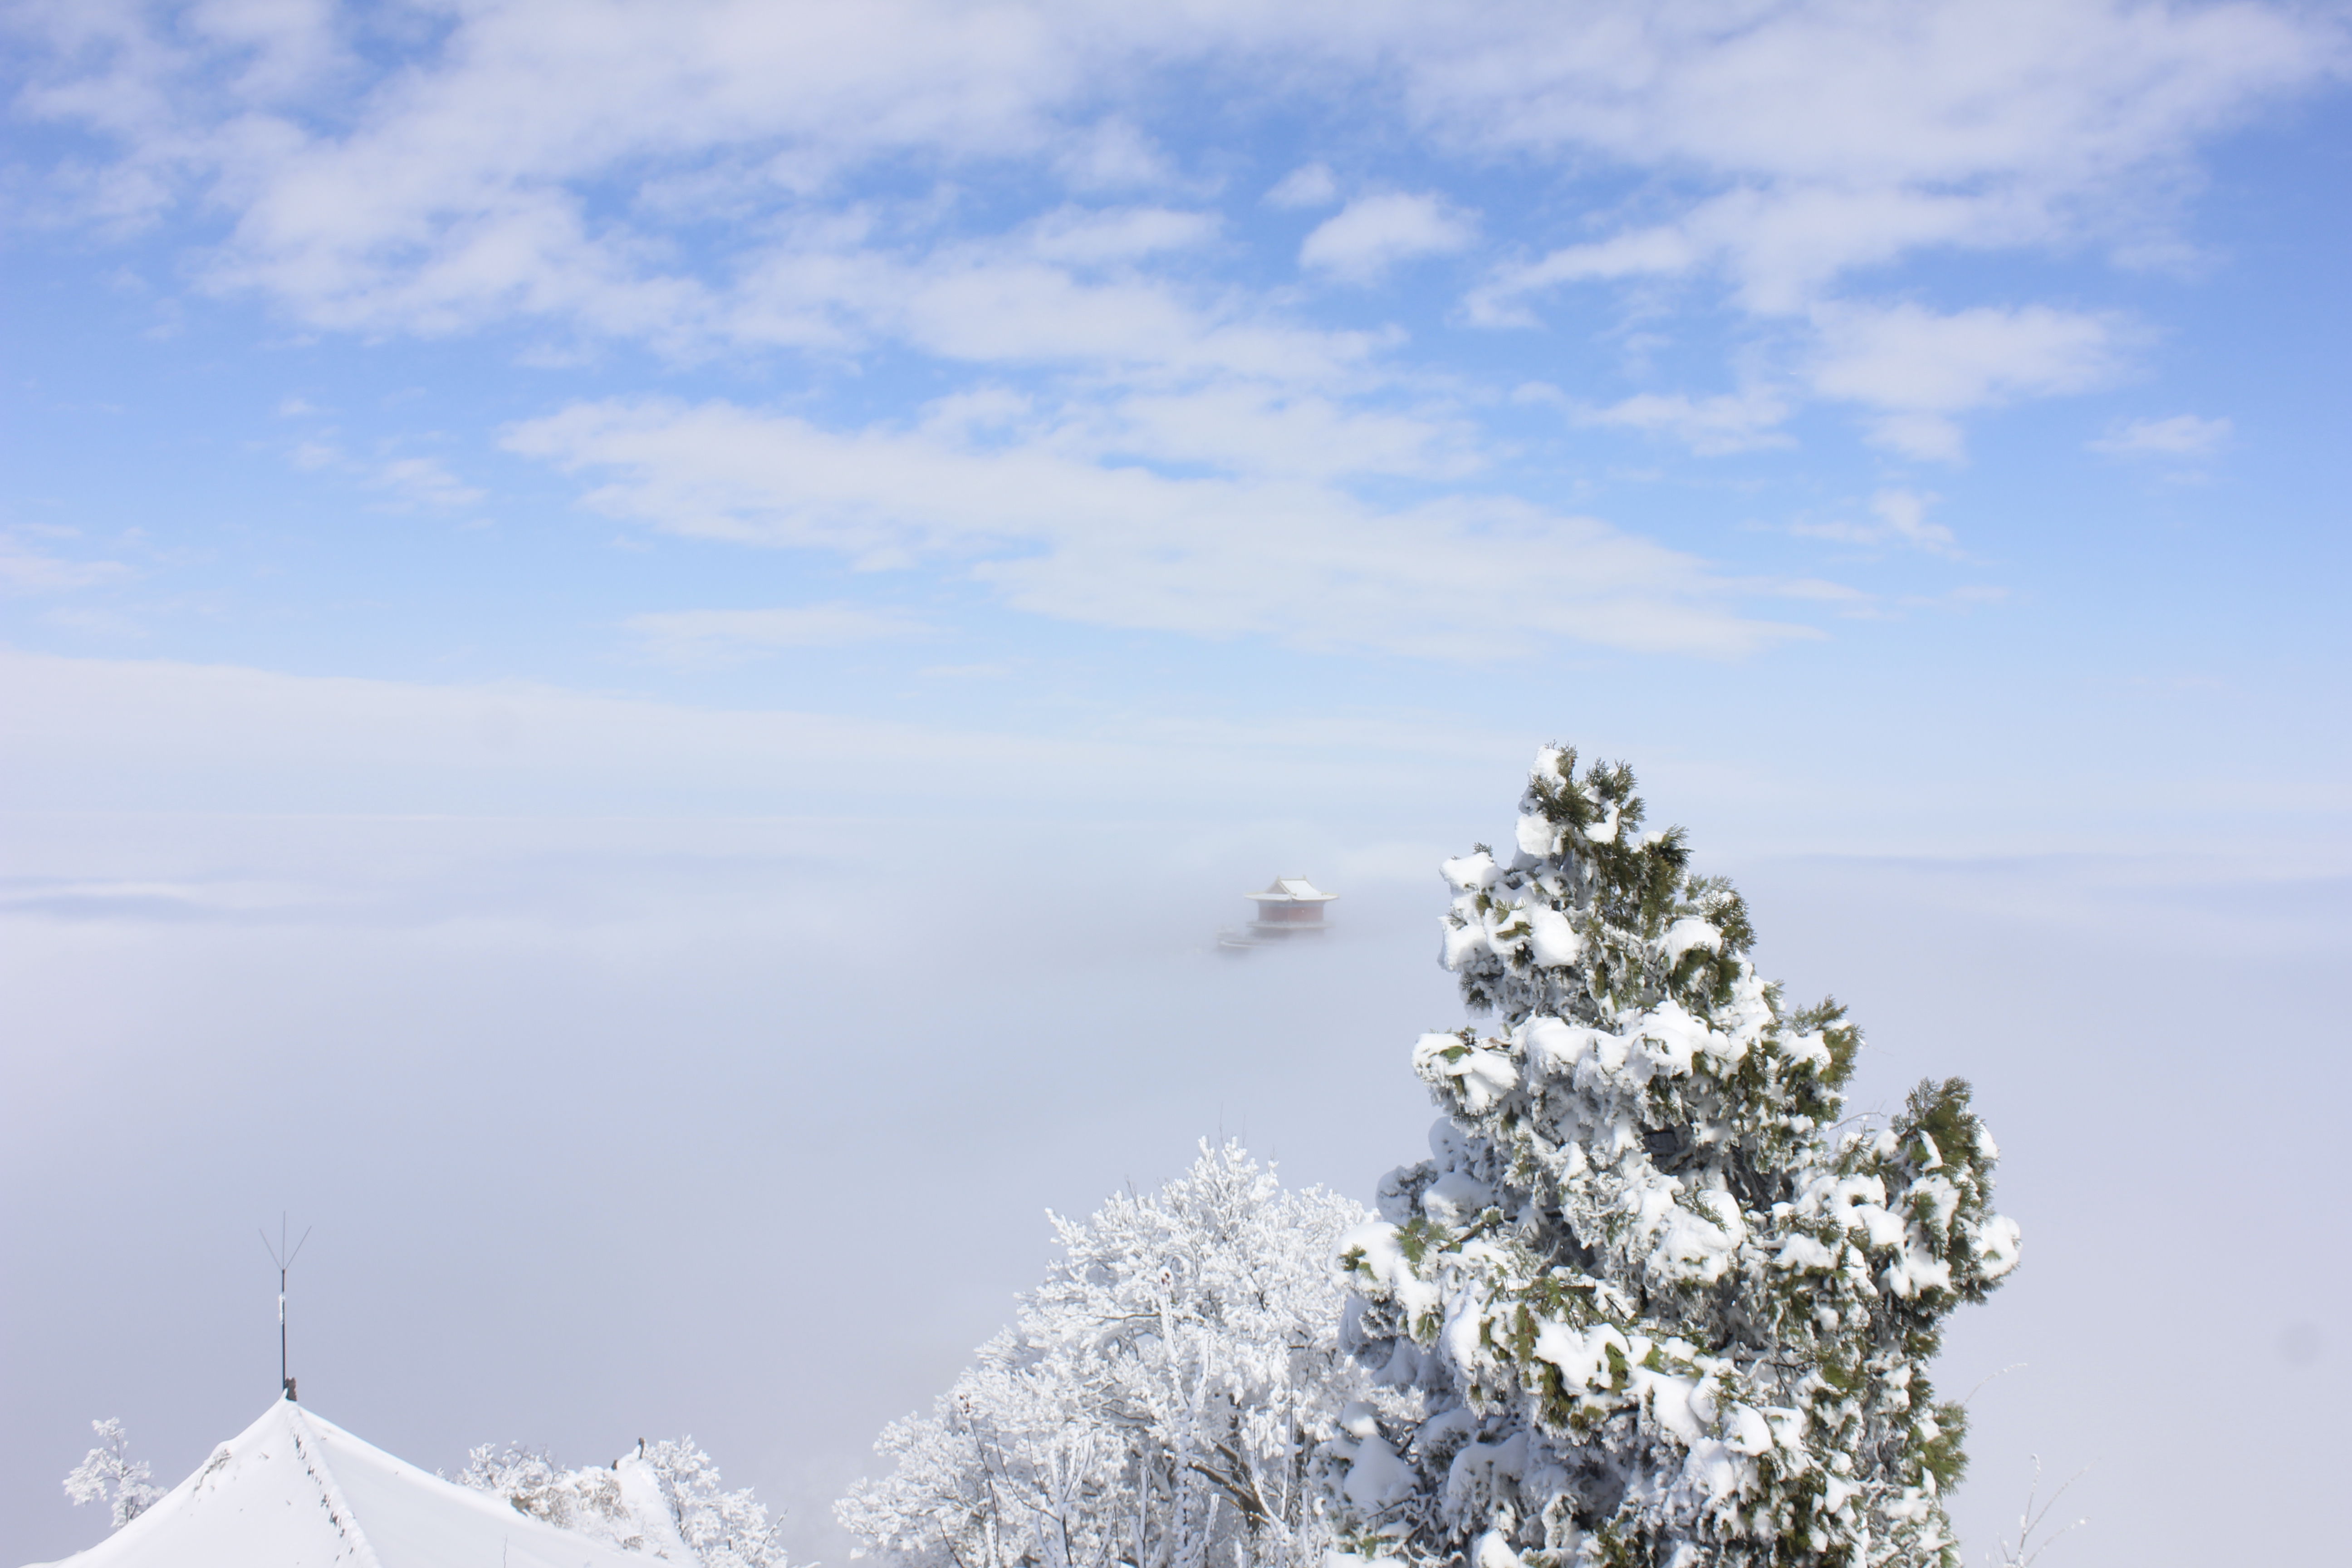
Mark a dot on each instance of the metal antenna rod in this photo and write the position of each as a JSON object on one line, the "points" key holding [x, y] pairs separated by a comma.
{"points": [[285, 1261]]}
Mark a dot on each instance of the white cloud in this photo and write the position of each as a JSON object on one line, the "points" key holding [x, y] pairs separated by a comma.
{"points": [[1093, 237], [712, 636], [2181, 436], [693, 175], [1372, 234], [1056, 294], [1264, 430], [24, 569], [1060, 535], [1308, 185], [1904, 515], [1500, 302], [426, 481], [1783, 249], [87, 621], [1918, 368], [1901, 520], [1111, 155], [457, 186], [1257, 429], [979, 306], [1969, 121], [1729, 422]]}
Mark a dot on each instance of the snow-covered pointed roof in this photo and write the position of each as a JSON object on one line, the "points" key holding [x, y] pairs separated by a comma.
{"points": [[295, 1491], [1293, 890]]}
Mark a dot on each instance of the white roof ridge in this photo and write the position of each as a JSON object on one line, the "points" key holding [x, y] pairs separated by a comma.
{"points": [[314, 1459], [1291, 890]]}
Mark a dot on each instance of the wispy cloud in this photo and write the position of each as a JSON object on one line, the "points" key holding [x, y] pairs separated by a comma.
{"points": [[1114, 544], [2181, 436], [1969, 121], [1098, 235], [1782, 250], [1727, 421], [940, 186], [456, 189], [1917, 369], [85, 620], [1902, 519], [1308, 185], [27, 568], [1969, 125], [426, 482], [720, 637], [1372, 234]]}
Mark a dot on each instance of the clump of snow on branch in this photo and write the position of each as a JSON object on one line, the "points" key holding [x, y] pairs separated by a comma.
{"points": [[1642, 1305], [1158, 1402], [108, 1474], [664, 1499]]}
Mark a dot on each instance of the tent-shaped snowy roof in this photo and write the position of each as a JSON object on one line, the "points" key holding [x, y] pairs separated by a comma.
{"points": [[1293, 890], [294, 1491]]}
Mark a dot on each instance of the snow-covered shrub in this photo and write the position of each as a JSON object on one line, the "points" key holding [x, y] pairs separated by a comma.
{"points": [[108, 1474], [1644, 1304], [724, 1529], [664, 1499], [1156, 1401], [587, 1501]]}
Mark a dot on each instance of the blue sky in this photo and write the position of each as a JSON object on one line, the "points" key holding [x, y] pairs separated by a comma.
{"points": [[1048, 370], [482, 485]]}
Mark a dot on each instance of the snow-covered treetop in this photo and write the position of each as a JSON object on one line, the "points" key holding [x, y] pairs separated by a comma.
{"points": [[1155, 1403], [1549, 929], [1594, 933]]}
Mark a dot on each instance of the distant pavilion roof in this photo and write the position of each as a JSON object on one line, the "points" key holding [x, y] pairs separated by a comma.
{"points": [[1293, 890]]}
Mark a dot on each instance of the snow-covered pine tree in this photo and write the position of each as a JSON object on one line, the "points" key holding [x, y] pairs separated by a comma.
{"points": [[1155, 1403], [1646, 1306], [108, 1474]]}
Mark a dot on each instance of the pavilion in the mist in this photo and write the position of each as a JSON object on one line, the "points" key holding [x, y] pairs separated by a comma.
{"points": [[1290, 906]]}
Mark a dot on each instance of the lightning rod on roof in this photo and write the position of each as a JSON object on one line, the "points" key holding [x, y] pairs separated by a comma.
{"points": [[285, 1261]]}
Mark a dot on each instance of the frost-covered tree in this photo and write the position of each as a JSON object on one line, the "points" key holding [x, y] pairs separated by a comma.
{"points": [[1652, 1301], [587, 1501], [1156, 1403], [664, 1499], [724, 1529], [108, 1474]]}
